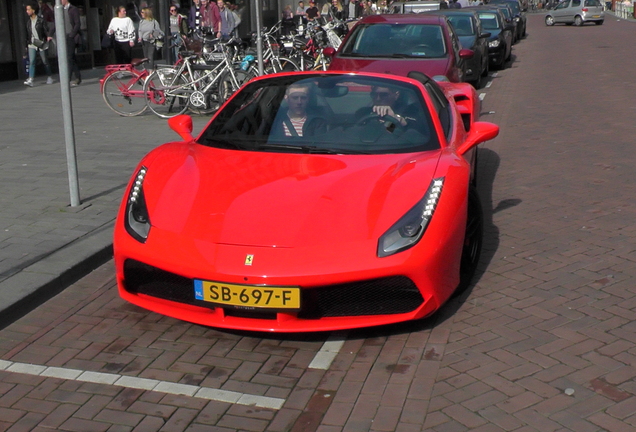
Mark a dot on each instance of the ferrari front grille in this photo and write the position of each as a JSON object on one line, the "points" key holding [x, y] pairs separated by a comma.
{"points": [[384, 296]]}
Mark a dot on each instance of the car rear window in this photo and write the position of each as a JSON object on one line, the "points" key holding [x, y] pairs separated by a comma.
{"points": [[463, 25], [592, 3], [338, 117], [489, 21], [386, 40]]}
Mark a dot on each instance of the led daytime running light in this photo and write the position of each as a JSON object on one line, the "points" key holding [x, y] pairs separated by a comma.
{"points": [[136, 189]]}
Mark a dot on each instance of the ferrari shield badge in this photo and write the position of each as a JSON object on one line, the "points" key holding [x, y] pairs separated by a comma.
{"points": [[248, 259]]}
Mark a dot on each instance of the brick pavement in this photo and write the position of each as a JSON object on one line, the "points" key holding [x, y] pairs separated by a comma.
{"points": [[42, 238], [544, 341]]}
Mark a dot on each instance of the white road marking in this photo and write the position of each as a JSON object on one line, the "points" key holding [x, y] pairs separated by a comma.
{"points": [[488, 84], [143, 384], [482, 96], [328, 351]]}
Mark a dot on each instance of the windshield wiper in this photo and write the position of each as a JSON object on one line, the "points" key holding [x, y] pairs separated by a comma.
{"points": [[399, 55], [308, 149], [225, 144]]}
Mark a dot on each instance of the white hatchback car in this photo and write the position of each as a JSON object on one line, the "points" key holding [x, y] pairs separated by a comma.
{"points": [[576, 12]]}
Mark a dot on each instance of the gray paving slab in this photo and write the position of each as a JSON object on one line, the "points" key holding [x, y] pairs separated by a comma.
{"points": [[44, 242]]}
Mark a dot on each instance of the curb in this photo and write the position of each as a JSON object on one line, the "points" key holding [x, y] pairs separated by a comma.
{"points": [[39, 282]]}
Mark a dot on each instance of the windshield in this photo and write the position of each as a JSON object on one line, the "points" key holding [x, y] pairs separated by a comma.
{"points": [[489, 21], [463, 25], [396, 40], [324, 114], [506, 12]]}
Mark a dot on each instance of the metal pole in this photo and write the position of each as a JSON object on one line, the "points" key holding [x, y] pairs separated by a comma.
{"points": [[67, 108], [163, 17], [259, 38]]}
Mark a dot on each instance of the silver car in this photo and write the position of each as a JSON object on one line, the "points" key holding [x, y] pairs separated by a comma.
{"points": [[576, 12]]}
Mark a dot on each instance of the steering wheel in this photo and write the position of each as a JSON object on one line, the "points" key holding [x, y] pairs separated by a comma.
{"points": [[373, 116]]}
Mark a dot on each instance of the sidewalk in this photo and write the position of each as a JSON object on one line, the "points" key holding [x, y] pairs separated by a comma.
{"points": [[44, 242]]}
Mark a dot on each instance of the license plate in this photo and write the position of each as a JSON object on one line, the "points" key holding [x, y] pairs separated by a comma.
{"points": [[247, 295], [596, 16]]}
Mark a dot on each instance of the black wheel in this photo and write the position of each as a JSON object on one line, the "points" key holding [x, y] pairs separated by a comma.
{"points": [[167, 94], [227, 85], [598, 22], [486, 70], [123, 93], [578, 21], [473, 240], [549, 20]]}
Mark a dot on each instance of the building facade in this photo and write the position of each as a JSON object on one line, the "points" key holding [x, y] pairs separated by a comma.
{"points": [[97, 15]]}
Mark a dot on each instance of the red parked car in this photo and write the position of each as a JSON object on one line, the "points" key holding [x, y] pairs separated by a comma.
{"points": [[399, 44]]}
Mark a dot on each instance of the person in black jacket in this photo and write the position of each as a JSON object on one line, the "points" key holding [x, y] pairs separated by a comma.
{"points": [[37, 41], [73, 25]]}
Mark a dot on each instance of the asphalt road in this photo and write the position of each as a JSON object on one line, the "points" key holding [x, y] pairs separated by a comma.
{"points": [[545, 340]]}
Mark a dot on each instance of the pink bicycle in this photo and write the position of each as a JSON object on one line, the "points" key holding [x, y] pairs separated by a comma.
{"points": [[123, 88]]}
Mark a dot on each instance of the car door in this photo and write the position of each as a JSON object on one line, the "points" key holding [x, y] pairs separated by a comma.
{"points": [[459, 64], [561, 12], [481, 44]]}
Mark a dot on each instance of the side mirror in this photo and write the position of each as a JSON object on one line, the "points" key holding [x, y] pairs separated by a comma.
{"points": [[182, 125], [479, 132], [485, 35], [466, 53], [329, 51]]}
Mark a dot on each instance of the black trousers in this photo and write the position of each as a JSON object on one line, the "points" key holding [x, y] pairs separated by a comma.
{"points": [[73, 68], [123, 52]]}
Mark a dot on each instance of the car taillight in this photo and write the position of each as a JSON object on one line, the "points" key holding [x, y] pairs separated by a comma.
{"points": [[584, 9]]}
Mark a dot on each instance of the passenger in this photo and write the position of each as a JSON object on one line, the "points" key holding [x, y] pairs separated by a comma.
{"points": [[298, 120]]}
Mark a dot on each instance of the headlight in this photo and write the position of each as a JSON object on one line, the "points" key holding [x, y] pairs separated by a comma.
{"points": [[494, 43], [517, 19], [137, 221], [410, 228]]}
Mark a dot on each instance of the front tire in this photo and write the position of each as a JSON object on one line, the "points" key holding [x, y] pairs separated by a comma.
{"points": [[578, 21], [549, 20], [473, 240], [123, 93]]}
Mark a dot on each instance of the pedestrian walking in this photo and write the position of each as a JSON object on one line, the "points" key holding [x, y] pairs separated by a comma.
{"points": [[38, 39], [149, 33], [73, 25], [228, 20], [124, 30]]}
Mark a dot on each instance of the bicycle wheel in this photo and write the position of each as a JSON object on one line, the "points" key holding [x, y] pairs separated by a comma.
{"points": [[167, 94], [227, 87], [123, 93], [281, 64], [204, 102]]}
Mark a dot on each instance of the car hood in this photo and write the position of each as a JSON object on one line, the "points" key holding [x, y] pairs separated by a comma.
{"points": [[280, 200], [431, 67]]}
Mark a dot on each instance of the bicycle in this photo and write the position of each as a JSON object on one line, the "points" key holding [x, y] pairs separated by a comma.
{"points": [[122, 88], [194, 83]]}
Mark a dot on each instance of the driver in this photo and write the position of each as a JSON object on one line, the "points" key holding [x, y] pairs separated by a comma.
{"points": [[385, 102]]}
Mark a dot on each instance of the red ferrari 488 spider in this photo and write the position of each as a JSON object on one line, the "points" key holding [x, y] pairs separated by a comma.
{"points": [[310, 202]]}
